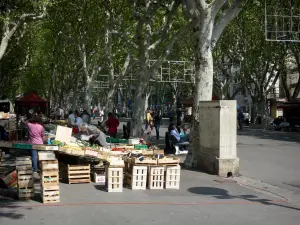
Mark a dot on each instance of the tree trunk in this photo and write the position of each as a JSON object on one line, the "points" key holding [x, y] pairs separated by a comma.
{"points": [[204, 85], [139, 103], [88, 94], [262, 110]]}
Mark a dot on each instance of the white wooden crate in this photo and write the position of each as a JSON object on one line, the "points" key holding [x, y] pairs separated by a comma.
{"points": [[137, 179], [114, 179], [156, 175], [172, 177]]}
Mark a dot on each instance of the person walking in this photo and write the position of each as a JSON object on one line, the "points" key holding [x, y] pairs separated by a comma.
{"points": [[157, 122], [148, 118]]}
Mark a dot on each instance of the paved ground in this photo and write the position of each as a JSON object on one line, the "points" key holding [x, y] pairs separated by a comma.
{"points": [[272, 157], [200, 200], [268, 156]]}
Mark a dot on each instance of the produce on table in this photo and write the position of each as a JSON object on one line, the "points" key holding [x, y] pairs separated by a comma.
{"points": [[58, 143]]}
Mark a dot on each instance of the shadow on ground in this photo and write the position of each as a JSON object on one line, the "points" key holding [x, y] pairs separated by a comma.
{"points": [[222, 194], [11, 209], [271, 135]]}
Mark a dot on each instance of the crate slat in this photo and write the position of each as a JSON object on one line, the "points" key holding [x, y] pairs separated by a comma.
{"points": [[49, 165], [23, 163], [26, 167], [79, 181], [25, 172], [25, 183]]}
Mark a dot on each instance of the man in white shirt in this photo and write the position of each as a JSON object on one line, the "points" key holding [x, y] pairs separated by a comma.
{"points": [[71, 118], [78, 120]]}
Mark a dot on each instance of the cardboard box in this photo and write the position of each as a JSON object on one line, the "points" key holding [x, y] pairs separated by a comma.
{"points": [[98, 178], [10, 180]]}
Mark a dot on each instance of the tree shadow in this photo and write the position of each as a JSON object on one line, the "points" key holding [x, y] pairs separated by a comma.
{"points": [[271, 135], [11, 207], [222, 194]]}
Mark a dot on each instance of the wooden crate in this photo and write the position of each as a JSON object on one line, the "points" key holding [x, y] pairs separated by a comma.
{"points": [[23, 163], [137, 179], [49, 178], [146, 161], [77, 174], [49, 165], [172, 177], [156, 176], [168, 161], [50, 194], [25, 193], [46, 155], [114, 179], [25, 178]]}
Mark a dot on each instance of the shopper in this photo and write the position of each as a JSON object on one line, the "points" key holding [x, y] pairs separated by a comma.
{"points": [[112, 123], [36, 135], [157, 122], [85, 116]]}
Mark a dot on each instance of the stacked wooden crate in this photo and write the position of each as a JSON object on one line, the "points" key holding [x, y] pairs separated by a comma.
{"points": [[114, 179], [76, 174], [49, 181], [114, 175], [49, 174], [25, 181], [172, 171], [136, 171]]}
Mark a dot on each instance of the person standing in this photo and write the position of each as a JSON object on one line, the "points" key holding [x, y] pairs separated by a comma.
{"points": [[101, 114], [148, 118], [71, 118], [112, 123], [35, 136], [240, 118], [85, 116], [157, 122], [78, 121]]}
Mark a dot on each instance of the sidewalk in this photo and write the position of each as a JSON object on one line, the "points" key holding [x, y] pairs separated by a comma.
{"points": [[200, 200]]}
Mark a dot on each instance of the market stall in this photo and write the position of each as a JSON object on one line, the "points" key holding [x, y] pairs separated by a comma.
{"points": [[128, 163], [30, 100]]}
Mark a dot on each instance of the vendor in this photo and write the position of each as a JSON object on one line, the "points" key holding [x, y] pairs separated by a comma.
{"points": [[77, 122], [112, 123], [83, 130], [100, 139], [35, 136]]}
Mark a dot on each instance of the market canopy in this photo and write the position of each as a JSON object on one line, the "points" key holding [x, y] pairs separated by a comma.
{"points": [[30, 100], [30, 97]]}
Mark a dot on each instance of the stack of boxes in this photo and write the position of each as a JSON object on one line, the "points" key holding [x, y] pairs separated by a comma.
{"points": [[49, 177], [25, 181]]}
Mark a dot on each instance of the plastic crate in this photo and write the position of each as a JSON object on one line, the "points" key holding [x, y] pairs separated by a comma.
{"points": [[137, 179], [114, 179], [172, 177], [156, 175], [140, 147]]}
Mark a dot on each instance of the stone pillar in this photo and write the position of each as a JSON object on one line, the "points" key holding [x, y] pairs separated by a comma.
{"points": [[217, 138]]}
